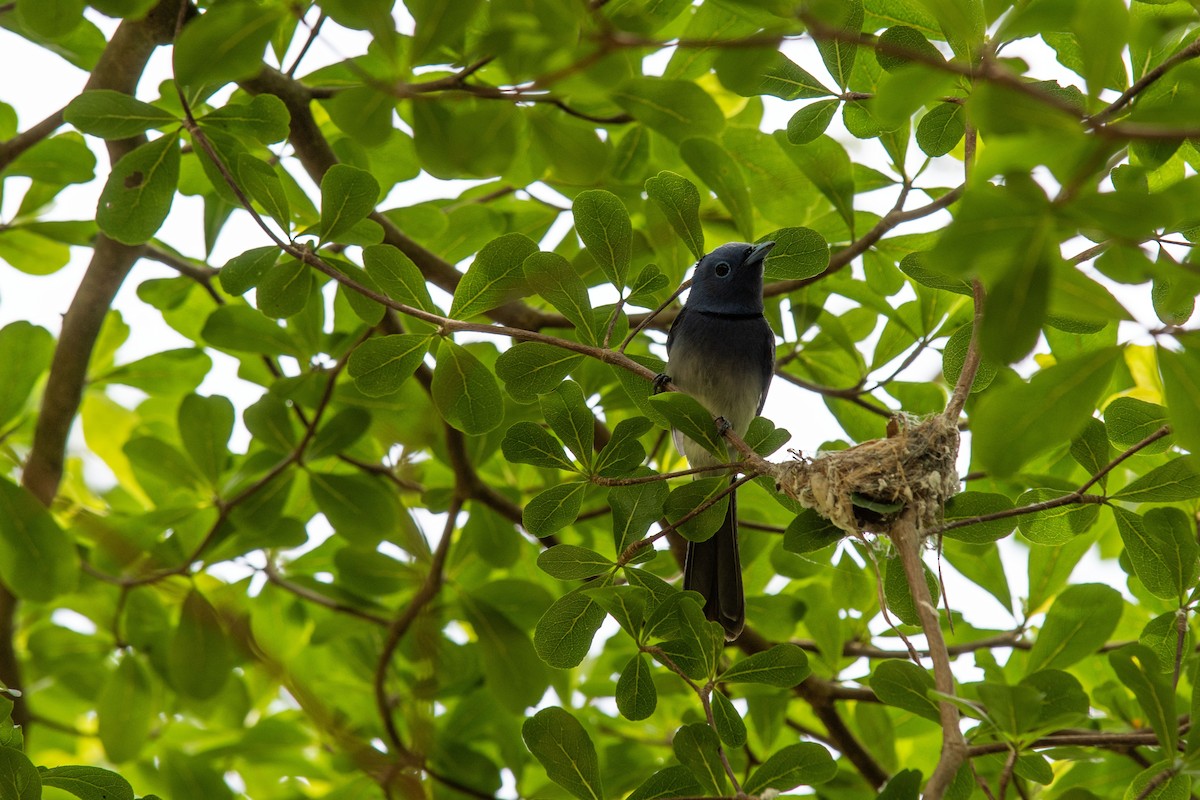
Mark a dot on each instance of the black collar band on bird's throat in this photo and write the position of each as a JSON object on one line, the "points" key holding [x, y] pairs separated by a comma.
{"points": [[723, 315]]}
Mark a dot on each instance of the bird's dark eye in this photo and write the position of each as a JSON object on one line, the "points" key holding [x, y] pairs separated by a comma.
{"points": [[721, 270]]}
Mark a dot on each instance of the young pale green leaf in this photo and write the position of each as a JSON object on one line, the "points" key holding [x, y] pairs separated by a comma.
{"points": [[635, 693], [568, 562], [1128, 421], [1175, 480], [398, 277], [1006, 435], [623, 453], [634, 509], [265, 119], [784, 665], [199, 658], [1181, 385], [19, 375], [811, 120], [564, 634], [565, 751], [906, 685], [676, 109], [553, 509], [679, 201], [837, 53], [139, 192], [242, 329], [38, 561], [804, 764], [729, 724], [554, 279], [566, 412], [1137, 667], [260, 180], [1163, 554], [713, 165], [532, 369], [603, 224], [968, 505], [284, 289], [1054, 526], [511, 667], [698, 748], [685, 413], [798, 253], [381, 364], [684, 500], [114, 115], [53, 19], [348, 195], [243, 272], [126, 710], [494, 277], [224, 44], [465, 391], [1079, 623], [526, 442], [88, 783], [205, 425]]}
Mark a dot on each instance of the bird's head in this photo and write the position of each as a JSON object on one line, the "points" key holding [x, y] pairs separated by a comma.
{"points": [[729, 280]]}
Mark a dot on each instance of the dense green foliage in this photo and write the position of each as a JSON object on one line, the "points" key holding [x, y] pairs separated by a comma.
{"points": [[434, 553]]}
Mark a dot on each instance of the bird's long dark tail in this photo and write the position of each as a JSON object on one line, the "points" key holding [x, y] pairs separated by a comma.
{"points": [[714, 569]]}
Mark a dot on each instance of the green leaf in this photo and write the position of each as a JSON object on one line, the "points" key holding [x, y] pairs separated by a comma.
{"points": [[465, 391], [685, 413], [674, 781], [676, 109], [199, 658], [626, 604], [510, 666], [139, 192], [809, 532], [1091, 449], [1161, 549], [398, 277], [941, 129], [1006, 435], [798, 253], [348, 195], [698, 748], [634, 509], [685, 499], [19, 779], [804, 764], [243, 272], [899, 595], [825, 163], [1054, 526], [339, 433], [126, 710], [566, 412], [1128, 421], [564, 633], [623, 453], [811, 120], [554, 279], [713, 165], [532, 369], [162, 373], [1138, 669], [261, 182], [906, 685], [51, 18], [527, 442], [635, 693], [553, 509], [382, 364], [568, 562], [837, 54], [565, 751], [359, 507], [730, 727], [31, 253], [603, 224], [224, 44], [284, 289], [968, 505], [1175, 480], [205, 425], [88, 783], [898, 41], [495, 276], [264, 119], [38, 561], [784, 665], [114, 115], [1181, 385], [679, 201], [242, 329], [1176, 786], [755, 71], [1079, 623], [18, 376]]}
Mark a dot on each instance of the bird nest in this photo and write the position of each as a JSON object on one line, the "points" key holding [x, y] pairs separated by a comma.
{"points": [[868, 487]]}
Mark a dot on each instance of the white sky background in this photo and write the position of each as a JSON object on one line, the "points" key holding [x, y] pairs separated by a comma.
{"points": [[43, 299]]}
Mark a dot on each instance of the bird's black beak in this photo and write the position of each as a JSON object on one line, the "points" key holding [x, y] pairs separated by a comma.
{"points": [[758, 253]]}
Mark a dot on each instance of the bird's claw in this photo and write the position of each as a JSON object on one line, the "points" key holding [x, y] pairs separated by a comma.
{"points": [[724, 426], [659, 384]]}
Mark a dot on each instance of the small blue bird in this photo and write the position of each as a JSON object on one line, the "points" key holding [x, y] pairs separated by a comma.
{"points": [[721, 351]]}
